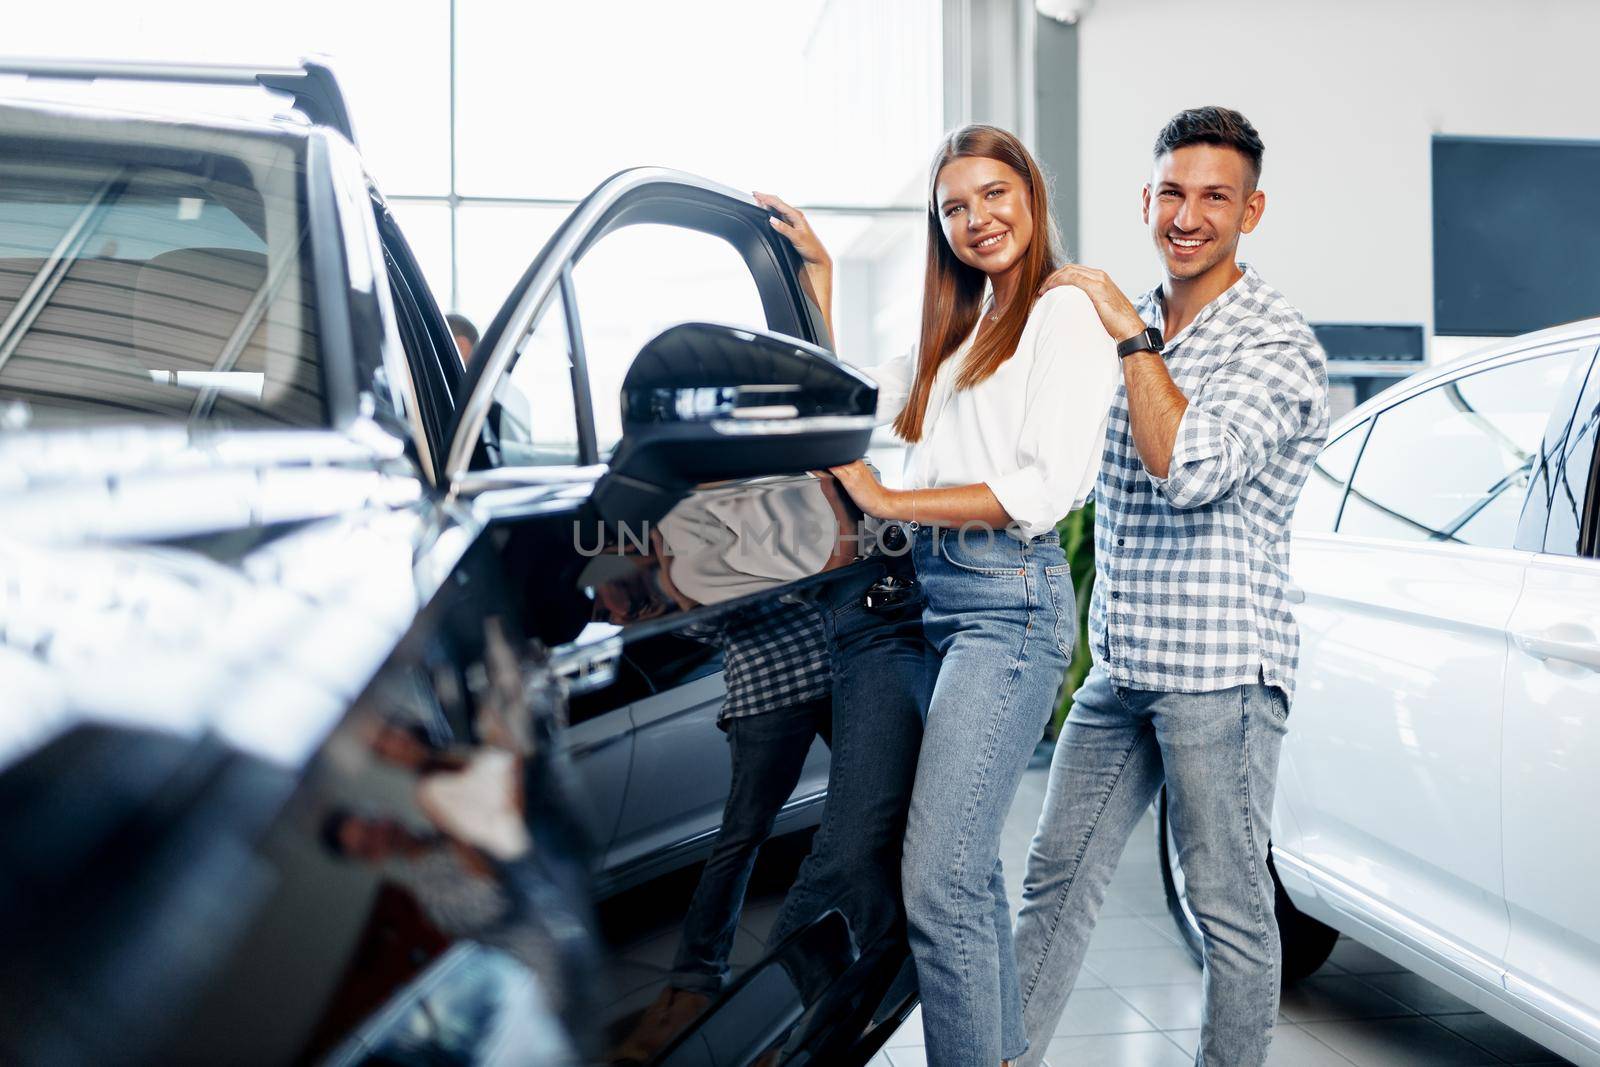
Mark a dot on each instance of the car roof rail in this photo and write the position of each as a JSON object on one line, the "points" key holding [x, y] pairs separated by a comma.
{"points": [[311, 82]]}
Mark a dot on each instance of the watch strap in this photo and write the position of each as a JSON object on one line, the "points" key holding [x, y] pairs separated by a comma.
{"points": [[1146, 340]]}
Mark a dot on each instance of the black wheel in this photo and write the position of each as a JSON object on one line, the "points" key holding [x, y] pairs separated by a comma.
{"points": [[1306, 942]]}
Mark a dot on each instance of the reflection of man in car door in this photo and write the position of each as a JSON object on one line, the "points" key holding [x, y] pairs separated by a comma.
{"points": [[718, 545], [1212, 435], [775, 666], [464, 333], [846, 666]]}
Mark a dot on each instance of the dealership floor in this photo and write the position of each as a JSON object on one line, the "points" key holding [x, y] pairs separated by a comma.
{"points": [[1137, 1003]]}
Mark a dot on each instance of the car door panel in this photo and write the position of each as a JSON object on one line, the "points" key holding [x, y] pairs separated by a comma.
{"points": [[1552, 774], [1394, 752], [1552, 745], [663, 598], [601, 751], [1393, 744], [677, 791]]}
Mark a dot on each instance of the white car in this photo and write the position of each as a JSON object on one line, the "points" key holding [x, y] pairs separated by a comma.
{"points": [[1440, 784]]}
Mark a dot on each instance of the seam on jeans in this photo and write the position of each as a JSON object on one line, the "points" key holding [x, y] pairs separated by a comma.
{"points": [[1250, 825], [1028, 598], [1074, 866]]}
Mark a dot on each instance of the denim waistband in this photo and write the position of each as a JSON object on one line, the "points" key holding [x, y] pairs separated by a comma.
{"points": [[974, 529]]}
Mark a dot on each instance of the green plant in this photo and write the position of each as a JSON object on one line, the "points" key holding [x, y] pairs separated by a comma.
{"points": [[1077, 540]]}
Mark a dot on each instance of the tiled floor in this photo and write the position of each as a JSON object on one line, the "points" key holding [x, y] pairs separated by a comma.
{"points": [[1137, 1003]]}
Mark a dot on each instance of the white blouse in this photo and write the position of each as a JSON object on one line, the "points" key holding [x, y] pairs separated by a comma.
{"points": [[1034, 430]]}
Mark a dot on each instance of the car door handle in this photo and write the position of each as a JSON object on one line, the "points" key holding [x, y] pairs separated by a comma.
{"points": [[1566, 643], [1294, 594]]}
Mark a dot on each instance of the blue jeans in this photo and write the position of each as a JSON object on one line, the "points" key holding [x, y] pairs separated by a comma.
{"points": [[1000, 619], [1218, 754], [768, 750], [879, 700]]}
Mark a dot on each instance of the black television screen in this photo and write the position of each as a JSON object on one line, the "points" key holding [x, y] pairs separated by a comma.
{"points": [[1371, 342], [1516, 242]]}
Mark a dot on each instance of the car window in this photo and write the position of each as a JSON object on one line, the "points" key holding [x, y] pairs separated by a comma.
{"points": [[1571, 469], [638, 280], [1318, 509], [145, 283], [1453, 463], [535, 417]]}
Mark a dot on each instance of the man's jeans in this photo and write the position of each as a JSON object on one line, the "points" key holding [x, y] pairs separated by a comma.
{"points": [[769, 750], [1001, 620], [879, 700], [1218, 754]]}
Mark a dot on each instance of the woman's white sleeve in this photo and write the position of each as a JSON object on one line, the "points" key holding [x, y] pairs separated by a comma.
{"points": [[1063, 432], [893, 378]]}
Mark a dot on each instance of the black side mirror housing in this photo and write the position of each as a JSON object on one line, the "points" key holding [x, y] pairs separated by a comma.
{"points": [[705, 402]]}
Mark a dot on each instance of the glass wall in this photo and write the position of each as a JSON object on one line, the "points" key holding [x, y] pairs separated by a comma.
{"points": [[834, 105], [485, 123]]}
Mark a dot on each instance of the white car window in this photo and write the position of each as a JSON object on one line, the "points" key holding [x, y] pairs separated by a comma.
{"points": [[1318, 509], [534, 413], [1452, 463], [637, 281]]}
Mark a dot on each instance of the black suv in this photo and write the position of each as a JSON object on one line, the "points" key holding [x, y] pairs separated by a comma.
{"points": [[362, 707]]}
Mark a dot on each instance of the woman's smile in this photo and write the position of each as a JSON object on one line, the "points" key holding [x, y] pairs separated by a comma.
{"points": [[991, 244]]}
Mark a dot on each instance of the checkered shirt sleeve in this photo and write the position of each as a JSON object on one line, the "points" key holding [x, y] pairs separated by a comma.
{"points": [[1192, 590], [1235, 428]]}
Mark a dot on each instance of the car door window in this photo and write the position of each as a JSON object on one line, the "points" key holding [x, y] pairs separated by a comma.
{"points": [[534, 417], [1452, 463], [640, 279], [647, 250], [1318, 510], [1562, 493]]}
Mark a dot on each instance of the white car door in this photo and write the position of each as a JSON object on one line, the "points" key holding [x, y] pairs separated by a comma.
{"points": [[1552, 738], [1392, 764]]}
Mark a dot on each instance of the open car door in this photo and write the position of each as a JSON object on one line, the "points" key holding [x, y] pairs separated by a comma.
{"points": [[638, 428]]}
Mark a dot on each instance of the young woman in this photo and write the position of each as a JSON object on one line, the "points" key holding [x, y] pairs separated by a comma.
{"points": [[1004, 405]]}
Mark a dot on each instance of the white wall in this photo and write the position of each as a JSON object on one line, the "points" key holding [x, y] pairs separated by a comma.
{"points": [[1346, 97]]}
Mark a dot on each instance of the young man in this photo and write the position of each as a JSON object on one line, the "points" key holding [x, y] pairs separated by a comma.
{"points": [[1223, 408]]}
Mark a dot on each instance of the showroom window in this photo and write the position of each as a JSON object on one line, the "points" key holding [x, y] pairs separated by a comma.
{"points": [[637, 281], [1453, 463], [484, 127], [834, 105], [1318, 510]]}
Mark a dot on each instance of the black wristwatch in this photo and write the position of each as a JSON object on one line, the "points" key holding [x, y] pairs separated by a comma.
{"points": [[1146, 340]]}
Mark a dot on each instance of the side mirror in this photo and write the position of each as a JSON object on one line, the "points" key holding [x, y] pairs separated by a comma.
{"points": [[705, 403]]}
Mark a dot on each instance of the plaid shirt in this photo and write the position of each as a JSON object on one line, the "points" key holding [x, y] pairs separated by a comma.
{"points": [[1193, 569], [773, 656]]}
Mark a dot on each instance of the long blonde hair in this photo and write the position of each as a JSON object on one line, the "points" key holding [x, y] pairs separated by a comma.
{"points": [[952, 291]]}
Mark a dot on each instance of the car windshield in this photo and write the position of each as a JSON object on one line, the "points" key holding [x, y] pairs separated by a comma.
{"points": [[153, 271]]}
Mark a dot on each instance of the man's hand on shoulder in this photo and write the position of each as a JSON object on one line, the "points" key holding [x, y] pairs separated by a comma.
{"points": [[1116, 311]]}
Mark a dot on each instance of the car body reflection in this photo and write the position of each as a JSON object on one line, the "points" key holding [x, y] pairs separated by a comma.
{"points": [[820, 696]]}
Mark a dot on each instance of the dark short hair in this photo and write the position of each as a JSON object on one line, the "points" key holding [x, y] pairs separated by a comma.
{"points": [[331, 830], [1213, 125], [462, 326]]}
